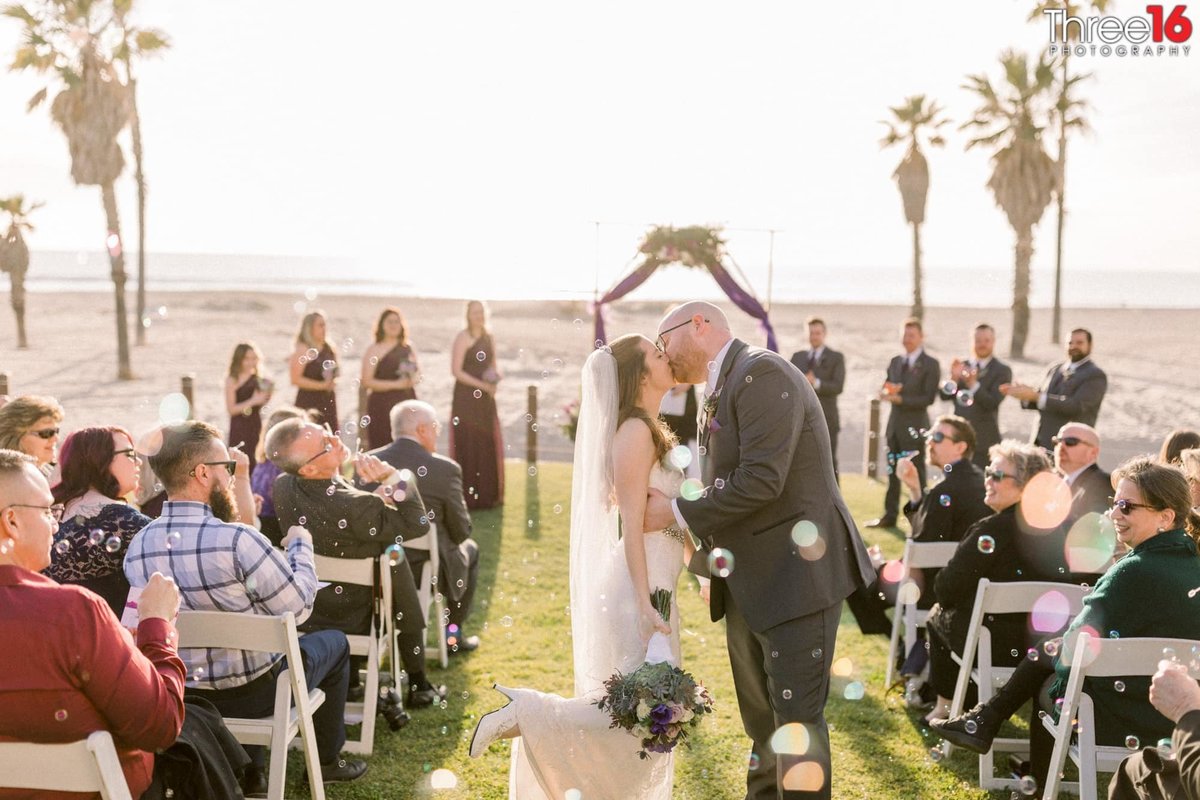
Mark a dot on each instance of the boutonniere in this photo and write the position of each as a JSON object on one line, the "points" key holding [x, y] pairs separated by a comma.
{"points": [[710, 410]]}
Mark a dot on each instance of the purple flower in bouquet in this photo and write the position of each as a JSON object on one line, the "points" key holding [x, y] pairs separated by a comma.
{"points": [[661, 716]]}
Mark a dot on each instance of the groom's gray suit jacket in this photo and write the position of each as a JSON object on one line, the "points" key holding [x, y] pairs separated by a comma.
{"points": [[768, 442]]}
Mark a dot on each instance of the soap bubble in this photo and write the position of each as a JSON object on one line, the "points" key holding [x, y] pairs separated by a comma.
{"points": [[986, 544], [720, 563]]}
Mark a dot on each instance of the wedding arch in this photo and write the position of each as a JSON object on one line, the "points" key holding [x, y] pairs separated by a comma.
{"points": [[696, 247]]}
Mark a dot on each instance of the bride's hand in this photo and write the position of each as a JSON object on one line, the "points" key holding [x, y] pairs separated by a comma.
{"points": [[649, 621]]}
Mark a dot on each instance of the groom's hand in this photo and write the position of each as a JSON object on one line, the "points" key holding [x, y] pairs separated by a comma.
{"points": [[658, 511]]}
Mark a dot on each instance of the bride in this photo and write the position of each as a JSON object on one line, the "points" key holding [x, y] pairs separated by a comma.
{"points": [[621, 449]]}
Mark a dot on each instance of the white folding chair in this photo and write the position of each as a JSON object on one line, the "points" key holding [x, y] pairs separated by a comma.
{"points": [[917, 555], [1094, 657], [266, 634], [361, 572], [88, 765], [1017, 597], [427, 591]]}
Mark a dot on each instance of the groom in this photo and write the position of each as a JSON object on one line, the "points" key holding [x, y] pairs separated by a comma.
{"points": [[772, 503]]}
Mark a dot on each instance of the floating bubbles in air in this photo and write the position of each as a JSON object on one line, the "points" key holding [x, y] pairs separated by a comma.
{"points": [[394, 553], [1045, 501], [720, 563], [1132, 742], [62, 547], [842, 668], [1090, 543], [691, 489], [949, 387], [97, 536], [807, 776], [854, 691], [172, 410], [442, 778], [965, 399], [1027, 785], [477, 394], [1118, 686], [792, 739], [112, 544], [1051, 612], [944, 501], [680, 457], [805, 533], [909, 592], [986, 545]]}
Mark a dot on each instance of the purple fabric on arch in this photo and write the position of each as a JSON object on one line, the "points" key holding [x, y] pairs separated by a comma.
{"points": [[627, 285]]}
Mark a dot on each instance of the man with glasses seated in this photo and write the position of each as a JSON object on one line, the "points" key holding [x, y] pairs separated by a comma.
{"points": [[350, 523], [220, 565], [1076, 449]]}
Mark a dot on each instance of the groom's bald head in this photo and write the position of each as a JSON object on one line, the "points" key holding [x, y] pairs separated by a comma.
{"points": [[691, 335]]}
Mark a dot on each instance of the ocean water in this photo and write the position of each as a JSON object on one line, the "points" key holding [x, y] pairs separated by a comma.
{"points": [[55, 271]]}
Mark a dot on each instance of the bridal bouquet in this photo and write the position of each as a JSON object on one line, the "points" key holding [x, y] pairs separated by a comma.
{"points": [[657, 702]]}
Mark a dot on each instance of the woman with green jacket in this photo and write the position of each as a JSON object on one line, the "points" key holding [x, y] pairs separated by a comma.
{"points": [[1147, 593]]}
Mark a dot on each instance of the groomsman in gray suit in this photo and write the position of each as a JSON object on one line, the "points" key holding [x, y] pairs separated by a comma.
{"points": [[974, 386], [775, 535], [825, 369]]}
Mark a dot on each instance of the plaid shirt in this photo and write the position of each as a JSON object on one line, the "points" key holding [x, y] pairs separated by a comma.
{"points": [[221, 566]]}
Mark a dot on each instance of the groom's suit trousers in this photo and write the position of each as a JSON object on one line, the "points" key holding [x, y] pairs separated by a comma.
{"points": [[782, 677]]}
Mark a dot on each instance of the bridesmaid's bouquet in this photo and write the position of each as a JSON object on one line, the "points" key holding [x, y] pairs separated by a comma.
{"points": [[657, 702]]}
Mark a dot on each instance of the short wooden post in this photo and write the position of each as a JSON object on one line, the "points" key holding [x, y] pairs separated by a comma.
{"points": [[531, 429], [187, 387], [3, 383], [871, 446]]}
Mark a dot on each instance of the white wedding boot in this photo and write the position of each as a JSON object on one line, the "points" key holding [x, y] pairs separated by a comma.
{"points": [[498, 724]]}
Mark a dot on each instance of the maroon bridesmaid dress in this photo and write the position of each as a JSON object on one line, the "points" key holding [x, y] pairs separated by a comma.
{"points": [[321, 400], [246, 428], [396, 364], [475, 440]]}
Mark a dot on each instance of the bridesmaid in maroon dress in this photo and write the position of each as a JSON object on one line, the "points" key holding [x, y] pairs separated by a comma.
{"points": [[314, 368], [389, 374], [246, 392], [475, 441]]}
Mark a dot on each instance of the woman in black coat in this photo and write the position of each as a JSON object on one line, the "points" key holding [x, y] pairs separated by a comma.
{"points": [[1001, 548]]}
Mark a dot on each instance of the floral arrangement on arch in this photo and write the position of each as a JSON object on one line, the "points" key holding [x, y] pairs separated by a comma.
{"points": [[693, 246]]}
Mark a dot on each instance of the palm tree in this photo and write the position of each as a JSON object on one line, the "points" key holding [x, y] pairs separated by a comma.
{"points": [[91, 107], [1024, 177], [14, 256], [137, 43], [912, 175], [1068, 114]]}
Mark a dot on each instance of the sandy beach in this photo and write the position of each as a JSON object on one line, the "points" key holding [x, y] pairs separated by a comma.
{"points": [[542, 344]]}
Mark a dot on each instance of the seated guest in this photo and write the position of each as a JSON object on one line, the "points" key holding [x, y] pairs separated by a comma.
{"points": [[1150, 774], [100, 469], [1001, 547], [944, 513], [415, 428], [349, 523], [78, 670], [1148, 593], [1176, 442], [1076, 448], [264, 473], [29, 424], [221, 565]]}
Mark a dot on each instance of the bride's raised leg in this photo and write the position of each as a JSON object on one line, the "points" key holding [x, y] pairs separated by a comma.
{"points": [[494, 725]]}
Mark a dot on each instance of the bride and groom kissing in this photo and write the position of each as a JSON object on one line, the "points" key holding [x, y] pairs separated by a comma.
{"points": [[767, 466]]}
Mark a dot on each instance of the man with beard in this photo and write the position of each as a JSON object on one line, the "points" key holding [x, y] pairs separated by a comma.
{"points": [[1072, 391], [220, 565]]}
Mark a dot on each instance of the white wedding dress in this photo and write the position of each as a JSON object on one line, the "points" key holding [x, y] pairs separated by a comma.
{"points": [[566, 743]]}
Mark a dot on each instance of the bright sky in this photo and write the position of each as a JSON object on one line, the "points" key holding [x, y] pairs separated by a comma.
{"points": [[479, 138]]}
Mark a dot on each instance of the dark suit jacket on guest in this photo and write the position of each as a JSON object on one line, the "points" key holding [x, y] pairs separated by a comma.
{"points": [[371, 527], [919, 390], [831, 371], [1090, 492], [1073, 399], [442, 492], [945, 513], [767, 439], [984, 408], [1013, 555]]}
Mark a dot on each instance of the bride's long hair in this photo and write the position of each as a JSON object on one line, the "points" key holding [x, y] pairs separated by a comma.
{"points": [[631, 366]]}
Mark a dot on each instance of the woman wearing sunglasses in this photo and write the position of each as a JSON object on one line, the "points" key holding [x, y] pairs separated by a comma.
{"points": [[1147, 593], [99, 469], [29, 424], [1002, 548]]}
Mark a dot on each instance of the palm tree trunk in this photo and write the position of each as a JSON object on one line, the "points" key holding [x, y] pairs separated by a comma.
{"points": [[135, 129], [18, 306], [1020, 304], [918, 307], [116, 259], [1056, 321]]}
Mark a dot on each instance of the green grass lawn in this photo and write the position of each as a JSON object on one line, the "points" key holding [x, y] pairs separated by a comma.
{"points": [[880, 749]]}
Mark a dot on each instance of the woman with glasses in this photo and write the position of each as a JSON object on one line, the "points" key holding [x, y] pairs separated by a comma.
{"points": [[475, 440], [1002, 548], [314, 369], [100, 468], [1148, 593], [30, 424]]}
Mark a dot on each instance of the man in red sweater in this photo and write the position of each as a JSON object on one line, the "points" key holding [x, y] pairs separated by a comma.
{"points": [[68, 668]]}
